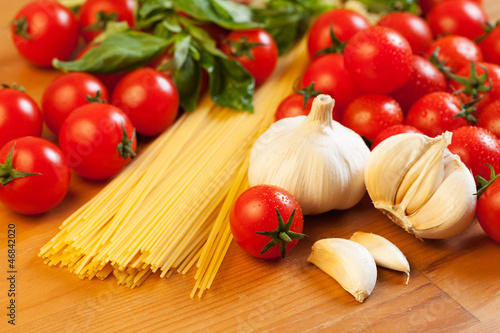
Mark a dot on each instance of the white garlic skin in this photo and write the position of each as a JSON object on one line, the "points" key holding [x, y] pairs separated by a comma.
{"points": [[318, 160]]}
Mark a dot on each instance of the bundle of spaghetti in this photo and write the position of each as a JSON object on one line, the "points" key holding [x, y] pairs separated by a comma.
{"points": [[169, 209]]}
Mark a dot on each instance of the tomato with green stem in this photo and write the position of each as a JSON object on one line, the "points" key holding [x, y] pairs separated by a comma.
{"points": [[452, 52], [488, 205], [257, 221], [298, 103]]}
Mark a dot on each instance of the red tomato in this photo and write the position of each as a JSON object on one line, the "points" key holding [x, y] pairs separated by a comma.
{"points": [[455, 51], [490, 46], [414, 28], [255, 211], [93, 140], [489, 118], [424, 79], [476, 147], [427, 5], [343, 22], [44, 30], [149, 98], [369, 114], [460, 17], [40, 192], [255, 50], [435, 113], [67, 92], [19, 116], [488, 96], [292, 106], [330, 77], [391, 131], [488, 210], [378, 59], [95, 14]]}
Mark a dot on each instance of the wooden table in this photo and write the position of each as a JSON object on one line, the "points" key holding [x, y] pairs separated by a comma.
{"points": [[454, 285]]}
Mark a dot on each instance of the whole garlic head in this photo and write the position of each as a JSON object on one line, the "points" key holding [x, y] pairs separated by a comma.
{"points": [[319, 161], [421, 185]]}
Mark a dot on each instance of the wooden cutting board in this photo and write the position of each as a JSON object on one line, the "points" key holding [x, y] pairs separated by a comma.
{"points": [[454, 284]]}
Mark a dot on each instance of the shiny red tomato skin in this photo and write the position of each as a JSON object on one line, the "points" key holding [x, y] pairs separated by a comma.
{"points": [[378, 59], [489, 118], [53, 32], [391, 131], [369, 114], [344, 22], [38, 193], [427, 5], [435, 113], [414, 28], [19, 116], [476, 147], [292, 106], [89, 138], [66, 93], [490, 46], [424, 79], [149, 98], [255, 211], [265, 57], [331, 77], [125, 9], [460, 17], [488, 210], [455, 51]]}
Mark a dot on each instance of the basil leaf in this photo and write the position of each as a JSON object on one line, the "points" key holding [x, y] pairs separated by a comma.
{"points": [[188, 82], [227, 14], [120, 52]]}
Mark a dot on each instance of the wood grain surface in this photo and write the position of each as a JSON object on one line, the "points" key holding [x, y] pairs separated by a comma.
{"points": [[454, 284]]}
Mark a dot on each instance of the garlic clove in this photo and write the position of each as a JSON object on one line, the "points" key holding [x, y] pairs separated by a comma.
{"points": [[385, 253], [348, 262]]}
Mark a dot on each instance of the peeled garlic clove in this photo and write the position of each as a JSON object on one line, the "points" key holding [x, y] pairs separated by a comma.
{"points": [[385, 253], [348, 262], [431, 194]]}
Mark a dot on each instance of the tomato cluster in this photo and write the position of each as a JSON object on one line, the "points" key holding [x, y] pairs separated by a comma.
{"points": [[426, 74]]}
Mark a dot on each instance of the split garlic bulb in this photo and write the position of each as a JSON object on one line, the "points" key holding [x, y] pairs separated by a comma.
{"points": [[421, 185], [319, 161]]}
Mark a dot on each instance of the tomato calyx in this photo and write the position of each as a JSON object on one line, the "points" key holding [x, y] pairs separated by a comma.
{"points": [[468, 110], [483, 183], [243, 47], [336, 47], [14, 86], [307, 92], [440, 65], [474, 84], [281, 235], [487, 28], [21, 27], [96, 98], [125, 146], [8, 173], [102, 20]]}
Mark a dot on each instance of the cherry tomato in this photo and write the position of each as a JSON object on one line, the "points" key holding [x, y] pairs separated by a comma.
{"points": [[414, 28], [425, 78], [455, 51], [44, 30], [427, 5], [369, 114], [489, 118], [292, 106], [378, 59], [391, 131], [40, 192], [435, 113], [67, 92], [255, 49], [460, 17], [98, 140], [149, 98], [19, 115], [476, 147], [255, 211], [490, 46], [488, 210], [331, 77], [343, 22], [95, 14]]}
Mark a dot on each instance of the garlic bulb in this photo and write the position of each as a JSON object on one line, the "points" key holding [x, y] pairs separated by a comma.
{"points": [[421, 185], [319, 161], [348, 262], [385, 253]]}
